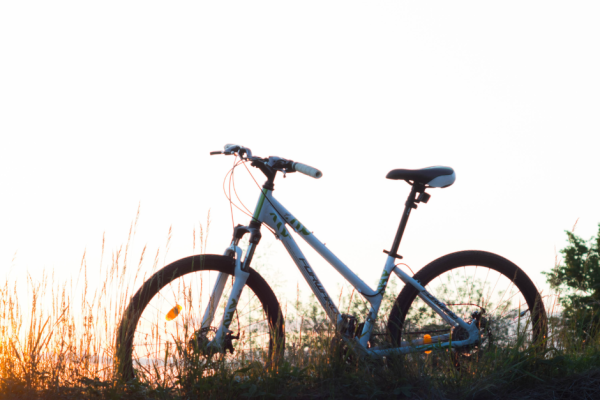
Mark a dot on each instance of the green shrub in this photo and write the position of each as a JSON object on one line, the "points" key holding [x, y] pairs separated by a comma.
{"points": [[578, 280]]}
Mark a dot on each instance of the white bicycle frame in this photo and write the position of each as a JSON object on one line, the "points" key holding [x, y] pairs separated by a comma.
{"points": [[271, 212]]}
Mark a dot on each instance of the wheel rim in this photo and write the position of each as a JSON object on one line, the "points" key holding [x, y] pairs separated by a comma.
{"points": [[511, 318], [164, 346]]}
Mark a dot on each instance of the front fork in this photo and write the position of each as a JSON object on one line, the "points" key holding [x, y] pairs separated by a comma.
{"points": [[241, 274]]}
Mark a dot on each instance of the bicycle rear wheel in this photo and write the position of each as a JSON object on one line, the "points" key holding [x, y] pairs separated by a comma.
{"points": [[160, 332], [511, 312]]}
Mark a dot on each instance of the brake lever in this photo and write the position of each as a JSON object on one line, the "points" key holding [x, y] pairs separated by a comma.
{"points": [[231, 149], [281, 164]]}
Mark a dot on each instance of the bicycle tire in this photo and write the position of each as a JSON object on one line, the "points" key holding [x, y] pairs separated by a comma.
{"points": [[407, 299], [190, 267]]}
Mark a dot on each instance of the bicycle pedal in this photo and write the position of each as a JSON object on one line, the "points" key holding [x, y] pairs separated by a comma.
{"points": [[348, 327]]}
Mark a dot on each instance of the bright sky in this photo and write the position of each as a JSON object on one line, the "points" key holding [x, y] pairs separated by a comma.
{"points": [[107, 105]]}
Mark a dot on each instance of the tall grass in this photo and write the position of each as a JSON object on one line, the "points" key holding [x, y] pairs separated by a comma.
{"points": [[57, 340]]}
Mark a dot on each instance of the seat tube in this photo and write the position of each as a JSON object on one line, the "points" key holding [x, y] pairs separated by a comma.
{"points": [[408, 206]]}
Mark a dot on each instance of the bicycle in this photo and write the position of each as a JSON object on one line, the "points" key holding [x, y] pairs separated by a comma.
{"points": [[162, 328]]}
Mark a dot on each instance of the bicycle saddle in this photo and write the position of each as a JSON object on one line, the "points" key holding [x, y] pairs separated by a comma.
{"points": [[431, 176]]}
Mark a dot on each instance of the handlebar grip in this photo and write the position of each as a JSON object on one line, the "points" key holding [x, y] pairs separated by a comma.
{"points": [[306, 170]]}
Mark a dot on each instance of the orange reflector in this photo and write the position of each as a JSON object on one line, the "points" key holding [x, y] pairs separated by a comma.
{"points": [[173, 313], [427, 340]]}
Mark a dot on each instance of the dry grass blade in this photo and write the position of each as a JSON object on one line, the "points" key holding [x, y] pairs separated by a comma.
{"points": [[67, 350]]}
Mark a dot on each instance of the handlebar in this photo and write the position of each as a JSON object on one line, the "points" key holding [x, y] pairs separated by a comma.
{"points": [[307, 170], [272, 163]]}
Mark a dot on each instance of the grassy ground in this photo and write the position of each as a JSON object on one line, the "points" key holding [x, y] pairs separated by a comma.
{"points": [[57, 342]]}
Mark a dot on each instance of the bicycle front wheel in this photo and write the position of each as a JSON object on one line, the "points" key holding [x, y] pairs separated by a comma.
{"points": [[506, 304], [161, 333]]}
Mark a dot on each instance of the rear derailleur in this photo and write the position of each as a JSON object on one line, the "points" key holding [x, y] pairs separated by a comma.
{"points": [[485, 338]]}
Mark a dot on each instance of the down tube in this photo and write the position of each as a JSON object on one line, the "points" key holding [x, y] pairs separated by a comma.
{"points": [[323, 251], [311, 277], [372, 296]]}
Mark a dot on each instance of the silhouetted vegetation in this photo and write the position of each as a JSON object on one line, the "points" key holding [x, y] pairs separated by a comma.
{"points": [[57, 341], [578, 280]]}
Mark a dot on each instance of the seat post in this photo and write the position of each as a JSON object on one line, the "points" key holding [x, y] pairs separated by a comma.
{"points": [[411, 202]]}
